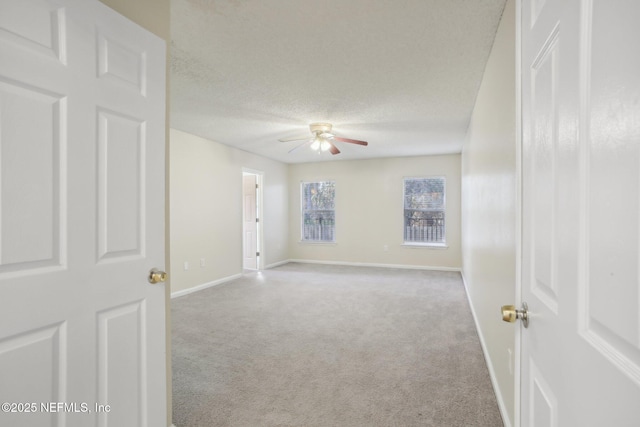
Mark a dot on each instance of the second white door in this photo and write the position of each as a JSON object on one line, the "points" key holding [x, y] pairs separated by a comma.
{"points": [[580, 357], [82, 331]]}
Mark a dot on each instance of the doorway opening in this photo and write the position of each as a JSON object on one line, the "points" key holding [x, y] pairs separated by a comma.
{"points": [[252, 226]]}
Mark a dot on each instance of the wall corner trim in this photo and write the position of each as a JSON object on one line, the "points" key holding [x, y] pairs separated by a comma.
{"points": [[203, 286], [494, 381], [373, 264]]}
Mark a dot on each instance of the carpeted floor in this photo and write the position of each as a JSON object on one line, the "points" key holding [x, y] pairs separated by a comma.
{"points": [[318, 345]]}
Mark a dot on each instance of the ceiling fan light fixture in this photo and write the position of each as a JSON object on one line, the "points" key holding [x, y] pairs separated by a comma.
{"points": [[316, 144], [322, 139]]}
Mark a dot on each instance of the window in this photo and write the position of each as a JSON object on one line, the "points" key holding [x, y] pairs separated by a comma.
{"points": [[424, 213], [318, 211]]}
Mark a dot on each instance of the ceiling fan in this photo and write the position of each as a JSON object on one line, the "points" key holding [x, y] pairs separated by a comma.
{"points": [[322, 139]]}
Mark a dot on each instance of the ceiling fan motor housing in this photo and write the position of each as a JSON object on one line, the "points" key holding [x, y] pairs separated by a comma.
{"points": [[319, 128]]}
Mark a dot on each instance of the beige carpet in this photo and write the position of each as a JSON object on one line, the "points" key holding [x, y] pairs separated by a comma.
{"points": [[317, 345]]}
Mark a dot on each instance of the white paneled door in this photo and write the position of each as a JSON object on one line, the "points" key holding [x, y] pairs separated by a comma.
{"points": [[250, 226], [580, 358], [82, 331]]}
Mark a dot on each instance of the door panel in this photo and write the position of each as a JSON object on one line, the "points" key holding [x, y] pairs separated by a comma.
{"points": [[40, 352], [610, 312], [543, 404], [581, 197], [122, 364], [542, 164], [81, 215], [47, 32], [120, 185], [30, 174], [124, 65]]}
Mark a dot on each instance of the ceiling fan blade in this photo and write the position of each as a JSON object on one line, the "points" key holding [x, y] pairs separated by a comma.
{"points": [[297, 138], [351, 141], [333, 149], [299, 146]]}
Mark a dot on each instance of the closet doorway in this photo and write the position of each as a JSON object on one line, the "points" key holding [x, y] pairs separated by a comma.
{"points": [[251, 219]]}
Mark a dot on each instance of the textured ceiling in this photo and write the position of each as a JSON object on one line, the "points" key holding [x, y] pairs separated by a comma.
{"points": [[400, 74]]}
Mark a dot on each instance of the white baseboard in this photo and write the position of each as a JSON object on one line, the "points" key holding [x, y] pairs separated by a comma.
{"points": [[184, 292], [373, 264], [277, 264], [197, 288], [494, 381]]}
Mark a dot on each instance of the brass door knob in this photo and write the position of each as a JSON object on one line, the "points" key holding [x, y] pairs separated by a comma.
{"points": [[157, 276], [511, 314]]}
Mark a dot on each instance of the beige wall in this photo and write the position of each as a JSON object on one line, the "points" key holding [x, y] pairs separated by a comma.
{"points": [[489, 208], [206, 209], [151, 14], [369, 211]]}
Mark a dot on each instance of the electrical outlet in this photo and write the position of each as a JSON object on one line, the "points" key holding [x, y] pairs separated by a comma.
{"points": [[201, 262], [186, 265]]}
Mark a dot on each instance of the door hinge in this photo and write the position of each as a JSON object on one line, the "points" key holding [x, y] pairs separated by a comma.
{"points": [[257, 219], [257, 186], [257, 253]]}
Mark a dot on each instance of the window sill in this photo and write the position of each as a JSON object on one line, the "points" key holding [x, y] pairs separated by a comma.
{"points": [[316, 242], [426, 245]]}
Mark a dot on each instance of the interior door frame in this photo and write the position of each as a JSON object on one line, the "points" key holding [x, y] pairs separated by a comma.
{"points": [[518, 206], [260, 210]]}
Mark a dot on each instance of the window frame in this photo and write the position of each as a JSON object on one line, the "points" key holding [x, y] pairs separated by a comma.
{"points": [[434, 245], [303, 211]]}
